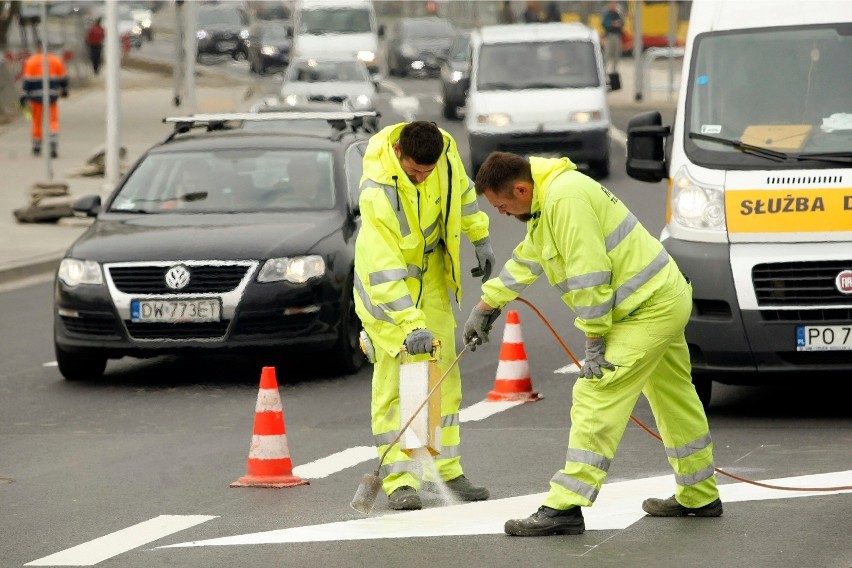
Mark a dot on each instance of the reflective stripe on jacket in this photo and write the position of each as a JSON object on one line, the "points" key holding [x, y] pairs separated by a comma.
{"points": [[400, 226], [590, 246], [32, 73]]}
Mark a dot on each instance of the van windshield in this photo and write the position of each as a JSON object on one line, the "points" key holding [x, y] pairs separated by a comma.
{"points": [[787, 90], [537, 65], [335, 21]]}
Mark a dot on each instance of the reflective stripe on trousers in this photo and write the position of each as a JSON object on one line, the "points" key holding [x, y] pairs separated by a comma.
{"points": [[398, 469], [649, 351]]}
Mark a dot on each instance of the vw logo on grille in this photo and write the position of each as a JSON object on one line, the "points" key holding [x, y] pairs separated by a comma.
{"points": [[177, 277], [844, 282]]}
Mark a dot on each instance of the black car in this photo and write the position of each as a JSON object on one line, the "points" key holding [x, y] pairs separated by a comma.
{"points": [[455, 75], [416, 46], [269, 46], [222, 29], [232, 239]]}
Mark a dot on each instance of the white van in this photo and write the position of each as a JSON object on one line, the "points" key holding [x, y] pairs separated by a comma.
{"points": [[337, 27], [759, 169], [538, 89]]}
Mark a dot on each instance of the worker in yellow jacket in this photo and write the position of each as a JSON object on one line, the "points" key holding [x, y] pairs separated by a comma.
{"points": [[632, 303], [416, 200]]}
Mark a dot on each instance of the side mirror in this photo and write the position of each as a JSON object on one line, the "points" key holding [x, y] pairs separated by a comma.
{"points": [[88, 206], [381, 30], [613, 82], [646, 145]]}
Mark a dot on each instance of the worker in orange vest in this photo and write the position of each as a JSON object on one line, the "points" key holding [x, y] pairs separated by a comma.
{"points": [[57, 86]]}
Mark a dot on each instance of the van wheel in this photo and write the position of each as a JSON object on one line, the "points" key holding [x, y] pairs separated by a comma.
{"points": [[76, 367], [599, 168], [346, 356], [704, 387], [450, 112]]}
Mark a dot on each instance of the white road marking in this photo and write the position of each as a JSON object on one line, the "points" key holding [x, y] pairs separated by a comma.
{"points": [[618, 506], [51, 364], [113, 544], [618, 136], [351, 457], [408, 107], [568, 369]]}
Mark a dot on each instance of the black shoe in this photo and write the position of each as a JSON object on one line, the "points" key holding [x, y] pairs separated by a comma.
{"points": [[464, 490], [404, 498], [547, 521], [54, 154], [671, 508], [36, 151]]}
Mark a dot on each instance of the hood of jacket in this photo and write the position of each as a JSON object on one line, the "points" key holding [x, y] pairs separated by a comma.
{"points": [[544, 170]]}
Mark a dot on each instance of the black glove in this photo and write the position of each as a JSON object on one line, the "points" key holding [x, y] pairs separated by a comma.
{"points": [[595, 348], [478, 325], [419, 341]]}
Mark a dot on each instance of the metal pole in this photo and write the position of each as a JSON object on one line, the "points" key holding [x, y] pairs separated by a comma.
{"points": [[637, 49], [46, 134], [112, 148], [179, 57], [672, 29], [190, 48]]}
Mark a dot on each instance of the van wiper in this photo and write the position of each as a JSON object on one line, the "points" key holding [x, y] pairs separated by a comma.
{"points": [[499, 87], [743, 147], [831, 157], [543, 86]]}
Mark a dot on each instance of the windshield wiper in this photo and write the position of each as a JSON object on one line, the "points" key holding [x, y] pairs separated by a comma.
{"points": [[831, 157], [743, 147], [499, 87]]}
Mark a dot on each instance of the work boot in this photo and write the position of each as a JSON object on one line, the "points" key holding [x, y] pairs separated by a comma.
{"points": [[404, 498], [547, 521], [671, 508], [464, 490], [36, 151]]}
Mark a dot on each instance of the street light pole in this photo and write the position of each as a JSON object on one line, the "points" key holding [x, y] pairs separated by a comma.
{"points": [[113, 98], [46, 134]]}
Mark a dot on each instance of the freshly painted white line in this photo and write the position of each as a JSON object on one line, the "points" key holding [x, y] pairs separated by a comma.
{"points": [[393, 88], [324, 467], [568, 369], [351, 457], [618, 136], [50, 364], [618, 506], [408, 107], [113, 544]]}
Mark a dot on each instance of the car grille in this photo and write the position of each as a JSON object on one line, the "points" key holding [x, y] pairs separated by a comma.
{"points": [[323, 98], [269, 324], [90, 324], [206, 330], [152, 279], [801, 284]]}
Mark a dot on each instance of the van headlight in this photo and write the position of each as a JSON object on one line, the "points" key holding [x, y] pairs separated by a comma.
{"points": [[295, 100], [367, 56], [494, 119], [361, 102], [269, 50], [73, 272], [696, 205], [297, 269], [582, 117]]}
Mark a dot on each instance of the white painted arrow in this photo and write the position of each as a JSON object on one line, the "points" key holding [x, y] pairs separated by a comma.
{"points": [[618, 506]]}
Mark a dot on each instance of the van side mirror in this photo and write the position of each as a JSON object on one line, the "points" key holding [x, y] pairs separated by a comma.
{"points": [[646, 145], [613, 81], [381, 30]]}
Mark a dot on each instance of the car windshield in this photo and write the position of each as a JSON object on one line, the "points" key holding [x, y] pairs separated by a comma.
{"points": [[219, 17], [460, 49], [273, 32], [537, 65], [312, 71], [229, 181], [790, 92], [335, 21], [429, 29]]}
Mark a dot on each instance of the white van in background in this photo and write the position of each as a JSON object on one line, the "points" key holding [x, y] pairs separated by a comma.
{"points": [[759, 167], [538, 89], [336, 27]]}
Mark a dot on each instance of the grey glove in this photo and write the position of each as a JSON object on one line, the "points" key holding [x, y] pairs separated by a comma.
{"points": [[595, 348], [419, 341], [485, 257], [478, 325]]}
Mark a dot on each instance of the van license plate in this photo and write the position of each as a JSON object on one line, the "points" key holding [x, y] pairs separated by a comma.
{"points": [[823, 337], [175, 311]]}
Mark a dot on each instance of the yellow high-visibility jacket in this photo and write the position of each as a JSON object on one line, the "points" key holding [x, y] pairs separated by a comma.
{"points": [[400, 226], [589, 245]]}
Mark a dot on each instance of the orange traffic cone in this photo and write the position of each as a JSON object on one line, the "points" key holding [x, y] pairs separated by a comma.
{"points": [[269, 462], [513, 372]]}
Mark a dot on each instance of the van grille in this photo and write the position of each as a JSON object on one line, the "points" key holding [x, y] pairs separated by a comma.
{"points": [[800, 284]]}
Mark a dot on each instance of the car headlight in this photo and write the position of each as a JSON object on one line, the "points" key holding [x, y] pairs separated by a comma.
{"points": [[297, 269], [495, 119], [295, 100], [137, 29], [367, 56], [269, 50], [585, 116], [244, 34], [73, 272], [362, 102], [146, 23], [407, 50], [697, 205], [201, 35]]}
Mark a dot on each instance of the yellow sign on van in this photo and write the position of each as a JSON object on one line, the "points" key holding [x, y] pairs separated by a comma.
{"points": [[807, 210]]}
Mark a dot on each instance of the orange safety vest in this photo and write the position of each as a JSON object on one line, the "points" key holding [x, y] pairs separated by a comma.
{"points": [[57, 77]]}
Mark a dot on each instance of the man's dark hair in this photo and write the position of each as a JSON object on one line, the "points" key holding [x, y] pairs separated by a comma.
{"points": [[422, 142], [500, 171]]}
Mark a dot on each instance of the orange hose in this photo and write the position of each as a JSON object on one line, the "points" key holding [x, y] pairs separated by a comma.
{"points": [[657, 436]]}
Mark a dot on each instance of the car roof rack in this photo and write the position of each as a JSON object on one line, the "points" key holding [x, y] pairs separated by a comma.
{"points": [[339, 120]]}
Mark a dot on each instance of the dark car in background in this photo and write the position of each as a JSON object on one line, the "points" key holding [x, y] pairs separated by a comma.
{"points": [[269, 44], [222, 29], [455, 75], [416, 46], [214, 243]]}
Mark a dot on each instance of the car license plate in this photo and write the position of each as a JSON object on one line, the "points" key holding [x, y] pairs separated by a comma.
{"points": [[175, 311], [227, 45], [823, 337]]}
